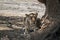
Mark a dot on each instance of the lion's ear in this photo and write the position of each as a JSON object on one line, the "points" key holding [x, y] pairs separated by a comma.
{"points": [[26, 15], [36, 14]]}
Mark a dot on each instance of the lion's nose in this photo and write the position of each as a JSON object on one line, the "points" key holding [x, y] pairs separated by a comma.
{"points": [[33, 19]]}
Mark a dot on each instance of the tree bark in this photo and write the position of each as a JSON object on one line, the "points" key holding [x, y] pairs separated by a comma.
{"points": [[53, 12]]}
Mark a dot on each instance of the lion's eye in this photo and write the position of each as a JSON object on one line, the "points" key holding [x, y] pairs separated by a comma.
{"points": [[31, 15], [34, 15]]}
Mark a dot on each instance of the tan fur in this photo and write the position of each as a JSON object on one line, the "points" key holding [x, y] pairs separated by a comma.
{"points": [[45, 22], [29, 22]]}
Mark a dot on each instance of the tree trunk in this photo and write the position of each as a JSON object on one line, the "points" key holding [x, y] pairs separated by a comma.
{"points": [[53, 12]]}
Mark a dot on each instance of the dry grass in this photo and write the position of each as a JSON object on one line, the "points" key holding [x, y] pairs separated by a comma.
{"points": [[5, 28]]}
